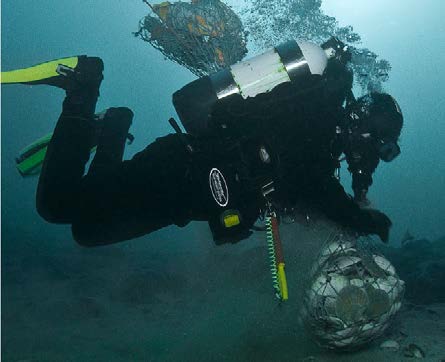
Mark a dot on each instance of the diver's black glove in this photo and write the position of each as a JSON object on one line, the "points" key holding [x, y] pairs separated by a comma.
{"points": [[376, 222], [361, 198]]}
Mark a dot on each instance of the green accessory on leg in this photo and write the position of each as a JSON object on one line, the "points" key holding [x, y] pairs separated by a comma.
{"points": [[30, 160]]}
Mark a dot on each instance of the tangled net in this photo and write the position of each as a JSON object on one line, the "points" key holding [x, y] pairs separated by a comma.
{"points": [[354, 293], [204, 36], [271, 22]]}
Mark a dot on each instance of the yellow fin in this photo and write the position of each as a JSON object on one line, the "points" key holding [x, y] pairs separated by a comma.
{"points": [[37, 72]]}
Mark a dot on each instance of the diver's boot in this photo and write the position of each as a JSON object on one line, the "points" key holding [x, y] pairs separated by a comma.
{"points": [[81, 84]]}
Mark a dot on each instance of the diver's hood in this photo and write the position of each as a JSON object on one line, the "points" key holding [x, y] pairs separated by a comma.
{"points": [[335, 48], [378, 116], [293, 61]]}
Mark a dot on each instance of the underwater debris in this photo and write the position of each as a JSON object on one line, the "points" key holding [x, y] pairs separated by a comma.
{"points": [[413, 351], [351, 303], [354, 294], [407, 238], [379, 302], [390, 345], [204, 36]]}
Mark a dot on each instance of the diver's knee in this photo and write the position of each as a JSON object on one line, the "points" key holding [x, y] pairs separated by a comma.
{"points": [[84, 236], [121, 114], [85, 243], [81, 239], [44, 213]]}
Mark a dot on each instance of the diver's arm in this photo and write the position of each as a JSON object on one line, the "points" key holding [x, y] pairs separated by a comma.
{"points": [[362, 170], [340, 207]]}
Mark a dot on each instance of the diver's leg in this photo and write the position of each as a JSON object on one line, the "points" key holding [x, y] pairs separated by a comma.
{"points": [[135, 197], [68, 151]]}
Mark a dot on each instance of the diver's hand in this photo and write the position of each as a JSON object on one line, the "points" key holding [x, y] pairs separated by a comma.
{"points": [[361, 199], [378, 223]]}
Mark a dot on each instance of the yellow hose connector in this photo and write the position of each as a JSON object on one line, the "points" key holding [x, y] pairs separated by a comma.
{"points": [[282, 282], [276, 258]]}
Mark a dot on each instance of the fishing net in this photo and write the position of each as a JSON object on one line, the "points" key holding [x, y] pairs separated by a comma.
{"points": [[204, 36], [271, 22], [353, 295]]}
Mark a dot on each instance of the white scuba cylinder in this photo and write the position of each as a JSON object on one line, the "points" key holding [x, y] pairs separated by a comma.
{"points": [[293, 61], [264, 72]]}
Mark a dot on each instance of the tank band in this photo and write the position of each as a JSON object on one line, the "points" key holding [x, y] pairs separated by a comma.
{"points": [[294, 61], [223, 83]]}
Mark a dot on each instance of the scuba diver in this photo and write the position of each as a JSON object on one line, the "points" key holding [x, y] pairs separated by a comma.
{"points": [[246, 150], [370, 133], [369, 130]]}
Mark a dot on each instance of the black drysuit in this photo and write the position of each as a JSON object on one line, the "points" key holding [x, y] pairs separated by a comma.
{"points": [[117, 200], [300, 127], [172, 180]]}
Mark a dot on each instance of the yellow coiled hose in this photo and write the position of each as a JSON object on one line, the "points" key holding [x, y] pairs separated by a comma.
{"points": [[276, 259]]}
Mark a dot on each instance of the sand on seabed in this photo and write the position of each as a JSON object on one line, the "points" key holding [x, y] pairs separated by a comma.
{"points": [[165, 298]]}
